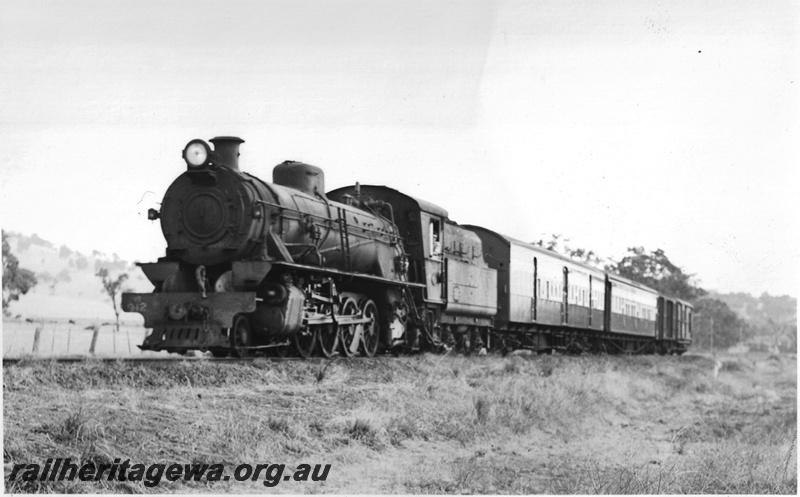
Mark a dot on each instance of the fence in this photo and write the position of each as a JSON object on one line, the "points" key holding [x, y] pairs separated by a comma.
{"points": [[71, 338]]}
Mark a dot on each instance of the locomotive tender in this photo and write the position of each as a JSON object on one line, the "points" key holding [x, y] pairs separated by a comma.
{"points": [[254, 266]]}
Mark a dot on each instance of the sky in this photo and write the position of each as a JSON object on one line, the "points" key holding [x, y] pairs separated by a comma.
{"points": [[662, 124]]}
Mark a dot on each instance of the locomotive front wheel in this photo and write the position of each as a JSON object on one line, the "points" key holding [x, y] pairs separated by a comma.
{"points": [[328, 336], [347, 332], [369, 339], [304, 342], [240, 337]]}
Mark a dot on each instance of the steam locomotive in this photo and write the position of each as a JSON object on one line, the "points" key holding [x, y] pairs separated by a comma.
{"points": [[256, 267]]}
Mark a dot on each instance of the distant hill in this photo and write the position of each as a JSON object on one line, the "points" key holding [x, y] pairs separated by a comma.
{"points": [[68, 287], [763, 311]]}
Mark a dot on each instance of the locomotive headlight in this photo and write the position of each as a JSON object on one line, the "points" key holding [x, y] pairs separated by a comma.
{"points": [[197, 153]]}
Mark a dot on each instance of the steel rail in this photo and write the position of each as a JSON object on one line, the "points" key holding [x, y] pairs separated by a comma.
{"points": [[10, 361]]}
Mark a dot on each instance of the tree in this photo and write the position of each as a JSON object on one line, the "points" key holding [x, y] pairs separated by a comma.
{"points": [[714, 316], [64, 276], [113, 287], [658, 272], [81, 263], [64, 252], [16, 280], [560, 245]]}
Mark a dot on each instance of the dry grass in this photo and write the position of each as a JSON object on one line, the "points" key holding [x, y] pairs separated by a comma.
{"points": [[425, 424]]}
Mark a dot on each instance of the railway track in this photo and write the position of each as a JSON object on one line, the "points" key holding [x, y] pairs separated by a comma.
{"points": [[11, 361]]}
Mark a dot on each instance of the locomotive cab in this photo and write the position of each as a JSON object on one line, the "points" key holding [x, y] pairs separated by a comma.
{"points": [[457, 290]]}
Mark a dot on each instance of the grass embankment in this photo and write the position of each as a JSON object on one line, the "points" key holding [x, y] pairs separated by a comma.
{"points": [[427, 424]]}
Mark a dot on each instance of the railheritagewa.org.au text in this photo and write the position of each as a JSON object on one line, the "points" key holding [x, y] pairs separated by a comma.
{"points": [[64, 469]]}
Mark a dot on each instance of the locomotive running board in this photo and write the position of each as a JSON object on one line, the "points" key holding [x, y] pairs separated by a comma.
{"points": [[336, 272]]}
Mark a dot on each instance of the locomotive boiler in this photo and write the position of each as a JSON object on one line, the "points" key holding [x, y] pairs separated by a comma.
{"points": [[251, 264]]}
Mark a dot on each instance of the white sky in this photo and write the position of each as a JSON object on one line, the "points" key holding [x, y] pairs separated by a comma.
{"points": [[667, 124]]}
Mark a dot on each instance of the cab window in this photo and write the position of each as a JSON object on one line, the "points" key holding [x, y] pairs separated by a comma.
{"points": [[435, 233]]}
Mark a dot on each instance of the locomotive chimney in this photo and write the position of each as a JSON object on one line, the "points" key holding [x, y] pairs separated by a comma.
{"points": [[226, 151]]}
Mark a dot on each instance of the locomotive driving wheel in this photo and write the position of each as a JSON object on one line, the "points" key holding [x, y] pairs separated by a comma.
{"points": [[304, 342], [327, 334], [348, 340], [241, 337], [369, 338]]}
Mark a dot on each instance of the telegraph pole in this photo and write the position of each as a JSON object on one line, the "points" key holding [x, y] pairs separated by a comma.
{"points": [[712, 335]]}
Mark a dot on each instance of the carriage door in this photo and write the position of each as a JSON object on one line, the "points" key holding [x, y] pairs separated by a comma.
{"points": [[607, 306], [591, 299], [670, 323], [535, 300], [564, 298], [688, 323], [433, 246]]}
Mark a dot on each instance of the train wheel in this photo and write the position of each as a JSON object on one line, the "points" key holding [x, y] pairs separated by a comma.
{"points": [[328, 336], [219, 352], [304, 342], [240, 337], [433, 338], [371, 335], [348, 342], [465, 343]]}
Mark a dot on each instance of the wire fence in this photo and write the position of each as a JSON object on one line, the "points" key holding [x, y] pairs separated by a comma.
{"points": [[72, 338]]}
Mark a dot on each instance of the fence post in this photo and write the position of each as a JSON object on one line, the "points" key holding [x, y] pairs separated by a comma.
{"points": [[36, 335], [96, 329], [69, 338]]}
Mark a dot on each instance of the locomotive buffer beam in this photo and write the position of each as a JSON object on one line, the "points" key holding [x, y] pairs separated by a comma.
{"points": [[221, 307]]}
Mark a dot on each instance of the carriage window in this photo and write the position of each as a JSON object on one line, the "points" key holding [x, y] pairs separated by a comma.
{"points": [[435, 237]]}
